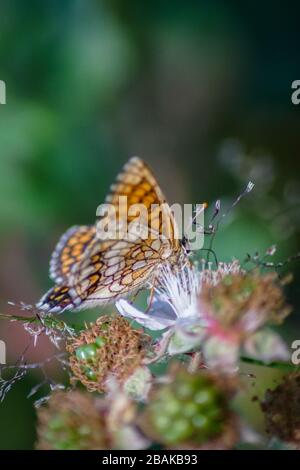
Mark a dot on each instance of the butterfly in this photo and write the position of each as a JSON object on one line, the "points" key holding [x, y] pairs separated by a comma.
{"points": [[89, 271]]}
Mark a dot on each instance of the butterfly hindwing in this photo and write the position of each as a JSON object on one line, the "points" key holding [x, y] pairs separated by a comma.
{"points": [[124, 268], [58, 299], [69, 251], [110, 273]]}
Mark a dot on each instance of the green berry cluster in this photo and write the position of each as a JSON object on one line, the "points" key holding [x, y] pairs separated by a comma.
{"points": [[70, 421], [88, 355], [190, 409], [108, 347], [61, 437]]}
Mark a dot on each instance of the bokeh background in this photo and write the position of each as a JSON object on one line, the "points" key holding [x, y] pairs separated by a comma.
{"points": [[200, 89]]}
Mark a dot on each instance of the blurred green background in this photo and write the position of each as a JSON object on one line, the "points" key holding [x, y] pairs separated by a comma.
{"points": [[201, 90]]}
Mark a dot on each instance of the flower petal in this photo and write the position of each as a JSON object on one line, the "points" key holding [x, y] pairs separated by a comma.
{"points": [[162, 309], [268, 346], [221, 354], [148, 320], [182, 342]]}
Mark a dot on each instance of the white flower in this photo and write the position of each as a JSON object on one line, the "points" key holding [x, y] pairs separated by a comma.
{"points": [[174, 302], [174, 307], [190, 324]]}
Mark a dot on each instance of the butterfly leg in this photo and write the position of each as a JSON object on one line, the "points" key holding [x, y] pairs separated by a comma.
{"points": [[133, 298], [152, 292]]}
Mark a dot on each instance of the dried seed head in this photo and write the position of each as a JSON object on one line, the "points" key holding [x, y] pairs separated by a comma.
{"points": [[244, 301], [212, 277], [109, 347], [281, 407]]}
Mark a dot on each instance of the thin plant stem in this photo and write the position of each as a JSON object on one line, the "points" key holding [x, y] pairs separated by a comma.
{"points": [[273, 365]]}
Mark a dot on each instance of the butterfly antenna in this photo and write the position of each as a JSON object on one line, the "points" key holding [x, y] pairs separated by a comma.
{"points": [[269, 264], [198, 211], [246, 191], [214, 230], [216, 211]]}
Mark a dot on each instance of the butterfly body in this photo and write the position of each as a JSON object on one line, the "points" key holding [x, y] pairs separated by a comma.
{"points": [[89, 271]]}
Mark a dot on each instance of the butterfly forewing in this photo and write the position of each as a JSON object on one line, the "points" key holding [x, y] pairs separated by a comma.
{"points": [[136, 185], [108, 269]]}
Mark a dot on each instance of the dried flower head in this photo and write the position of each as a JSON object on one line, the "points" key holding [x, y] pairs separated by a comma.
{"points": [[190, 411], [235, 309], [71, 421], [211, 277], [241, 303], [281, 407], [109, 347]]}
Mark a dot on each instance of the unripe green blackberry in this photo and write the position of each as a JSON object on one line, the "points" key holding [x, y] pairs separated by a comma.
{"points": [[108, 347], [71, 421], [190, 410]]}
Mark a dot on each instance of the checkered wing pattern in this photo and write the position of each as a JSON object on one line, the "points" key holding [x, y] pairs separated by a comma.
{"points": [[89, 271]]}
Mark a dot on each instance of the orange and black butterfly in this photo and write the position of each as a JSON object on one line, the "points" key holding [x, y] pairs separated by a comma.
{"points": [[88, 271]]}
